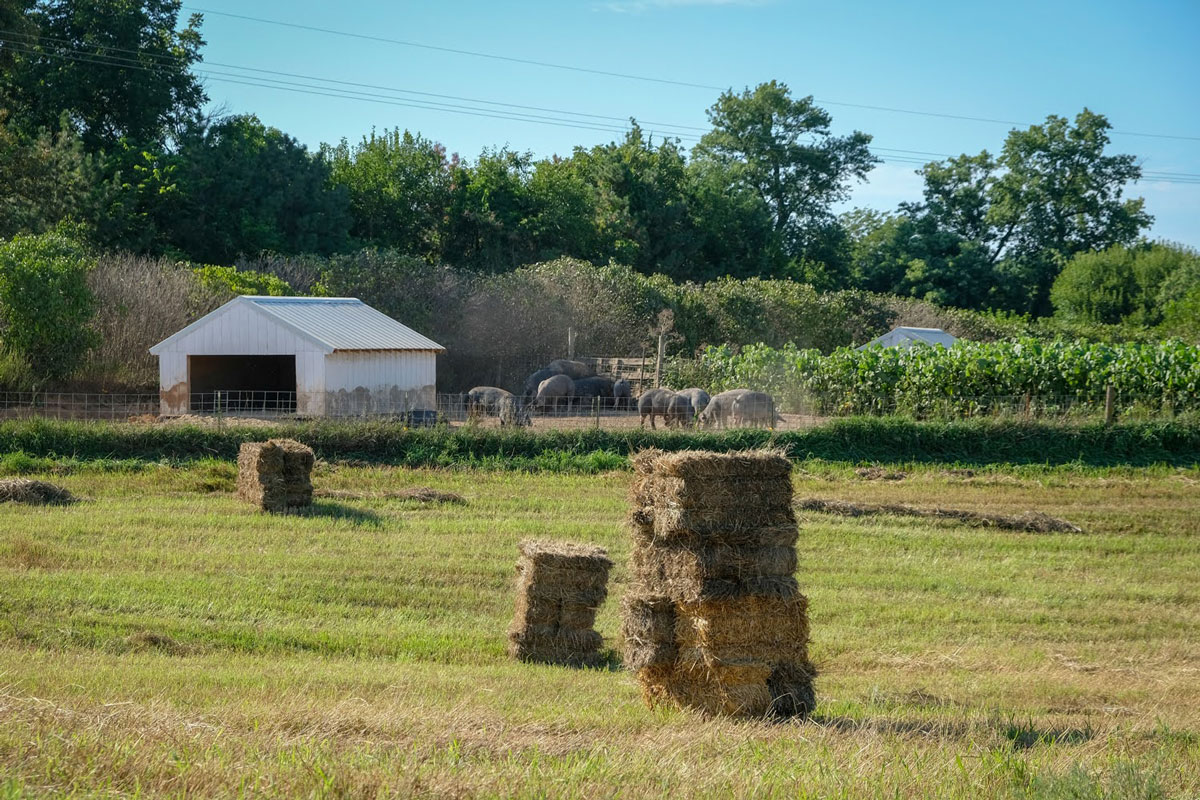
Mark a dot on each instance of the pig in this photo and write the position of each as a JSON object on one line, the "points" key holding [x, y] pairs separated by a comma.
{"points": [[622, 394], [755, 409], [719, 411], [653, 404], [572, 369], [699, 398], [589, 389], [529, 392], [555, 393], [485, 401]]}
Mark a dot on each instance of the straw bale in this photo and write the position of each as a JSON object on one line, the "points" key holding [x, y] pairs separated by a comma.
{"points": [[701, 464], [559, 587], [770, 629], [693, 528], [728, 495], [729, 690], [791, 688], [648, 626], [34, 493], [260, 476], [672, 563], [298, 460], [570, 648]]}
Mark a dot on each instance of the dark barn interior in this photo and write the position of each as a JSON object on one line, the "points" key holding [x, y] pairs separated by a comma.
{"points": [[242, 383]]}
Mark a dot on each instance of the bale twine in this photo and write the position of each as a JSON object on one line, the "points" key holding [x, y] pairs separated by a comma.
{"points": [[715, 620], [559, 587], [275, 475]]}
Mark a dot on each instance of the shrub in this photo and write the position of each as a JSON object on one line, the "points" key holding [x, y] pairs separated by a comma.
{"points": [[45, 303]]}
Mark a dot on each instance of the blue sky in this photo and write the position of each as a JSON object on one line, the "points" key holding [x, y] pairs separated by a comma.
{"points": [[1138, 64]]}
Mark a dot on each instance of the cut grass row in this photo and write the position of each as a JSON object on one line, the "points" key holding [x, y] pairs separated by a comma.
{"points": [[867, 439], [161, 639]]}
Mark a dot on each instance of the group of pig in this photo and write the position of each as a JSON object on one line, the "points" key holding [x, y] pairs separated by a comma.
{"points": [[563, 383]]}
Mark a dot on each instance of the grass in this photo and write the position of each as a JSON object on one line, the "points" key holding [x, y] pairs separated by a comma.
{"points": [[161, 639], [971, 442]]}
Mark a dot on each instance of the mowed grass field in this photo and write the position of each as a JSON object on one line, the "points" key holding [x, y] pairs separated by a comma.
{"points": [[162, 639]]}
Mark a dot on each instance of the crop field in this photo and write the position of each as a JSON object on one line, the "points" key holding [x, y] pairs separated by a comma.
{"points": [[159, 638]]}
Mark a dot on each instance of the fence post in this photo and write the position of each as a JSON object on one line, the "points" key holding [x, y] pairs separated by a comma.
{"points": [[570, 342], [1110, 404], [658, 362]]}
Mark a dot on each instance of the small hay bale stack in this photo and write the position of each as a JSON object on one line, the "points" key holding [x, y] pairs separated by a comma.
{"points": [[715, 620], [275, 475], [559, 587]]}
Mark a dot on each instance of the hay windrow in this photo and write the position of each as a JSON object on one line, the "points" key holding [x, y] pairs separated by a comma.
{"points": [[559, 585], [419, 494], [1029, 522], [34, 493]]}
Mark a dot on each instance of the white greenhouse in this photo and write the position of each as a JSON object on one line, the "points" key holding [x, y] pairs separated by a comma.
{"points": [[907, 337], [314, 356]]}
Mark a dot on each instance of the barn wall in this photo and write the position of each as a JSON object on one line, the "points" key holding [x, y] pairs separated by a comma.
{"points": [[380, 382], [242, 330]]}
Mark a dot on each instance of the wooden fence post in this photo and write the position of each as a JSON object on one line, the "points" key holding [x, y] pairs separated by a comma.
{"points": [[658, 362], [1110, 404]]}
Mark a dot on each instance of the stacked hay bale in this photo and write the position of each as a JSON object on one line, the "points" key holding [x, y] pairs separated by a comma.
{"points": [[559, 587], [275, 475], [714, 619]]}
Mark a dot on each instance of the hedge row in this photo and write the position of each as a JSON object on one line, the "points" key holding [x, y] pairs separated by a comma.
{"points": [[858, 439]]}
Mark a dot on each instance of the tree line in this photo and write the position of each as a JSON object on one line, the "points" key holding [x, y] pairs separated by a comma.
{"points": [[103, 123]]}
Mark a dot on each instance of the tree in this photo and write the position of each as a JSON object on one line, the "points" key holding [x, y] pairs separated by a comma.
{"points": [[119, 69], [45, 304], [44, 180], [734, 225], [641, 199], [399, 189], [241, 187], [783, 149], [1050, 194], [1125, 284]]}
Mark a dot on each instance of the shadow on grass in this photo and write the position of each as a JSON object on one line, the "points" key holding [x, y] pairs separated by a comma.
{"points": [[1025, 735], [342, 511]]}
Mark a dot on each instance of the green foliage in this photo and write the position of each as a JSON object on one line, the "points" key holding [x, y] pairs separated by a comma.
{"points": [[859, 439], [962, 381], [1126, 284], [782, 148], [54, 70], [996, 231], [244, 187], [399, 187], [235, 281], [45, 303], [44, 179]]}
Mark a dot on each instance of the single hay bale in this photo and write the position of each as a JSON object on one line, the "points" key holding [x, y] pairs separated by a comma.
{"points": [[648, 627], [1029, 522], [729, 496], [737, 630], [738, 690], [701, 464], [34, 493], [275, 475], [298, 460], [559, 587]]}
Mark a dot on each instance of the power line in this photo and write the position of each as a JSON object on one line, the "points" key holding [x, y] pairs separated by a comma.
{"points": [[455, 50], [647, 78], [904, 157], [65, 45]]}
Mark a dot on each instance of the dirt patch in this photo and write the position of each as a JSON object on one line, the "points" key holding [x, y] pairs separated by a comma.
{"points": [[34, 493], [420, 494], [1030, 521]]}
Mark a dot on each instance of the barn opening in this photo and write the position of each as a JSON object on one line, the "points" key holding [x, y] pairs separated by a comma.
{"points": [[242, 383]]}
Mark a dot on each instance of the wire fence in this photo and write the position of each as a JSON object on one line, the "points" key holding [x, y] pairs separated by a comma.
{"points": [[755, 410]]}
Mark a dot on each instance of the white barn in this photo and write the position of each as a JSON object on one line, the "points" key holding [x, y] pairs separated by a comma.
{"points": [[318, 356], [907, 337]]}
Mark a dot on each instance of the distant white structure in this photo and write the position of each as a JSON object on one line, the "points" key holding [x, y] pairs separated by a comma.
{"points": [[317, 356], [907, 337]]}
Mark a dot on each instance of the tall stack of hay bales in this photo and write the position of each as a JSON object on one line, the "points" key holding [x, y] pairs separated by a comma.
{"points": [[559, 587], [275, 475], [714, 619]]}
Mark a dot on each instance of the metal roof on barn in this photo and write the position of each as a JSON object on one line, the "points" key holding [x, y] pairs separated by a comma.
{"points": [[906, 337], [335, 323]]}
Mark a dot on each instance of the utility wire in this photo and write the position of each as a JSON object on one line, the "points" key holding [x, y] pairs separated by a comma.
{"points": [[324, 91], [647, 78]]}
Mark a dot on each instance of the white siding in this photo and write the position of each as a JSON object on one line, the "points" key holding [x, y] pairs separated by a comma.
{"points": [[386, 381]]}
